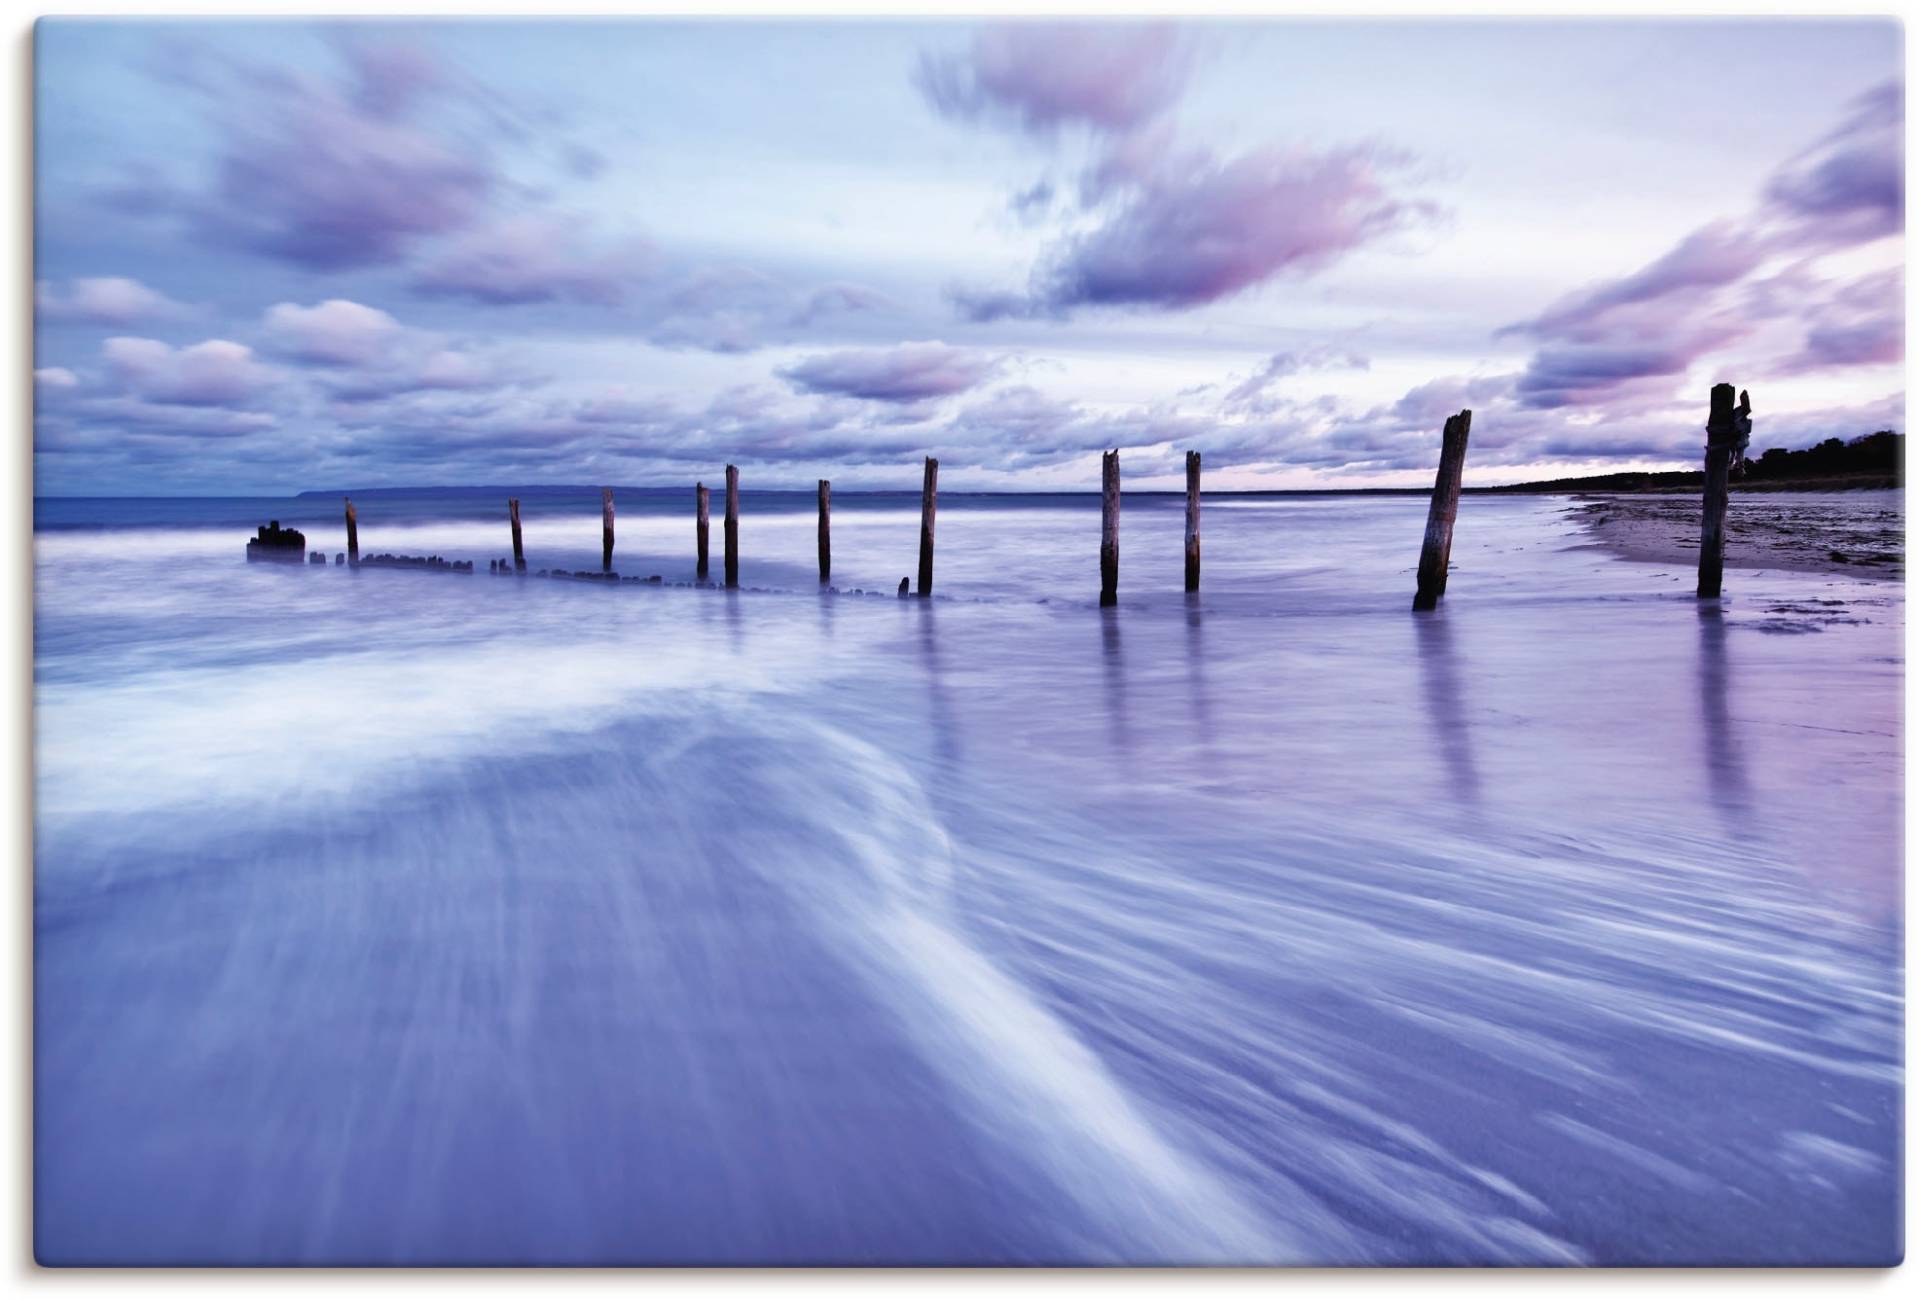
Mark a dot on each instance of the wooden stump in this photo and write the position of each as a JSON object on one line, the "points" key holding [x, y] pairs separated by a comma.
{"points": [[1193, 520], [826, 529], [606, 529], [1445, 503], [513, 518], [731, 525], [1109, 528], [353, 533], [1727, 431], [929, 494], [699, 529]]}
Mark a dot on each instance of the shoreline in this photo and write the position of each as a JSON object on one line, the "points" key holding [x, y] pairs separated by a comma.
{"points": [[1793, 532]]}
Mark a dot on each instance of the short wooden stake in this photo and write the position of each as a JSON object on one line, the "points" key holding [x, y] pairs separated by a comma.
{"points": [[929, 495], [699, 529], [1109, 528], [353, 533], [606, 529], [1193, 520], [1445, 503], [1727, 432], [513, 519], [732, 526], [826, 529]]}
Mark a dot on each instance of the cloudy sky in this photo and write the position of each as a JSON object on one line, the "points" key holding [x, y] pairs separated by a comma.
{"points": [[272, 257]]}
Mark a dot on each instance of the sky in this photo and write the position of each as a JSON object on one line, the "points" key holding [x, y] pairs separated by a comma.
{"points": [[283, 256]]}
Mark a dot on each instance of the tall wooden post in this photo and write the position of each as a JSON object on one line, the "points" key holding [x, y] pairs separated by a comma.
{"points": [[929, 496], [826, 529], [1193, 520], [1445, 503], [606, 529], [1727, 432], [699, 529], [513, 518], [731, 524], [1109, 528], [353, 533]]}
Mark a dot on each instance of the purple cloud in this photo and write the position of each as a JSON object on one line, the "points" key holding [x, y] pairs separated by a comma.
{"points": [[214, 373], [542, 258], [335, 176], [103, 300], [1854, 178], [906, 373], [334, 332], [1281, 365], [1042, 76]]}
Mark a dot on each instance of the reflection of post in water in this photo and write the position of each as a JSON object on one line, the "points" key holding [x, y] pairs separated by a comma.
{"points": [[940, 719], [730, 599], [1116, 676], [1726, 769], [1440, 681], [1199, 707]]}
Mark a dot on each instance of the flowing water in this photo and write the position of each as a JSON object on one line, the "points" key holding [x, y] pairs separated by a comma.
{"points": [[388, 916]]}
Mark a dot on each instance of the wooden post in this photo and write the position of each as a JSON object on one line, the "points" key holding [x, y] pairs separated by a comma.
{"points": [[353, 533], [699, 529], [929, 495], [513, 518], [606, 529], [1109, 528], [1445, 503], [826, 529], [732, 526], [1193, 520], [1727, 432]]}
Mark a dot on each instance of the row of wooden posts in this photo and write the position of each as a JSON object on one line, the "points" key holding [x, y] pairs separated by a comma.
{"points": [[1728, 429]]}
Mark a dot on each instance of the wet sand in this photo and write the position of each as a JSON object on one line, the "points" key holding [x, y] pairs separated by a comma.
{"points": [[1860, 534]]}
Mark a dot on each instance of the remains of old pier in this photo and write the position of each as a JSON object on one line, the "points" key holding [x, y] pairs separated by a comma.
{"points": [[513, 518], [1728, 430], [278, 545], [606, 529], [732, 526], [826, 530], [353, 533], [1437, 551], [700, 529], [929, 497], [1109, 528], [1193, 520]]}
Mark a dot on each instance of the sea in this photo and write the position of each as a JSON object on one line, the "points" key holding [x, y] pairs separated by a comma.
{"points": [[390, 916]]}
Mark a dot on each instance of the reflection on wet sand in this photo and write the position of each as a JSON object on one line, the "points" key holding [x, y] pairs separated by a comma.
{"points": [[1440, 682], [1115, 694], [1727, 785]]}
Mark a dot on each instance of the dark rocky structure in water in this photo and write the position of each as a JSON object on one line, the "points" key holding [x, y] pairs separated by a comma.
{"points": [[279, 545]]}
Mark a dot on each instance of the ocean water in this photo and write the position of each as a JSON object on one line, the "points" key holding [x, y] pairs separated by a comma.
{"points": [[403, 917]]}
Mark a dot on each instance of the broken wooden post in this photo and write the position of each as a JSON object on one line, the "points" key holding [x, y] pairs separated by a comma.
{"points": [[1109, 528], [929, 493], [606, 529], [1727, 433], [1445, 503], [1193, 520], [826, 531], [699, 529], [353, 533], [513, 519], [732, 526]]}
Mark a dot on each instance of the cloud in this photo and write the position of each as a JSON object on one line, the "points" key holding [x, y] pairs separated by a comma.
{"points": [[214, 373], [337, 175], [103, 300], [55, 376], [536, 258], [1282, 365], [908, 372], [1040, 77], [1632, 339], [334, 332]]}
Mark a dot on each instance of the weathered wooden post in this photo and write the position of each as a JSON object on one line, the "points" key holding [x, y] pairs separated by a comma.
{"points": [[1445, 503], [513, 518], [1109, 528], [353, 533], [929, 494], [699, 529], [1193, 520], [606, 529], [1727, 433], [732, 526], [826, 529]]}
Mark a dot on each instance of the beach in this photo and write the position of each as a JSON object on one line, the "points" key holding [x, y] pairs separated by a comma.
{"points": [[1858, 533]]}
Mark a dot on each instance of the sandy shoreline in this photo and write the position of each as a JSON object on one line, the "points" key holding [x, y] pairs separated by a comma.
{"points": [[1858, 534]]}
